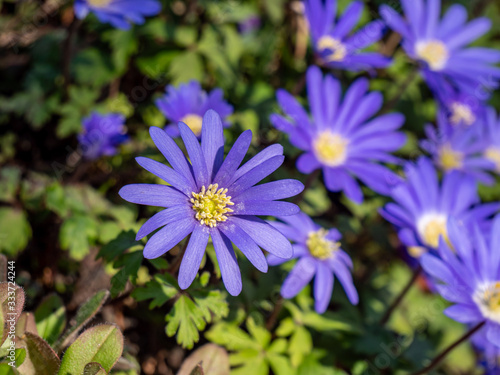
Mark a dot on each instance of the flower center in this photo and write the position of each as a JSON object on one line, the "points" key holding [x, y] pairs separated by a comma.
{"points": [[449, 158], [319, 246], [493, 154], [487, 298], [431, 227], [194, 122], [338, 50], [461, 113], [99, 3], [211, 204], [330, 149], [434, 53]]}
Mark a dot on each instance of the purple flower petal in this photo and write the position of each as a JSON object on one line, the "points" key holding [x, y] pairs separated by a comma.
{"points": [[280, 189], [307, 163], [233, 159], [265, 208], [260, 158], [299, 277], [464, 313], [162, 218], [226, 258], [195, 155], [152, 195], [212, 142], [323, 287], [192, 257], [166, 238], [264, 235], [246, 245], [493, 333], [167, 174]]}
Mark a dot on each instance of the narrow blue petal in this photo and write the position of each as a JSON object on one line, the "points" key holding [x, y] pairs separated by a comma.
{"points": [[195, 155], [493, 333], [464, 313], [226, 258], [280, 189], [212, 142], [162, 218], [468, 33], [264, 235], [323, 287], [265, 208], [167, 174], [348, 20], [233, 159], [261, 157], [246, 245], [192, 257], [345, 278], [307, 163], [152, 195], [299, 277], [166, 238], [255, 175]]}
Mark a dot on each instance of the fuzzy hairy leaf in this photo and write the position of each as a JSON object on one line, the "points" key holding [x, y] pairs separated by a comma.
{"points": [[50, 317], [41, 359]]}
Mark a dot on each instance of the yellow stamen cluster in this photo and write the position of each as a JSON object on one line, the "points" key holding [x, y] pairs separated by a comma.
{"points": [[493, 154], [99, 3], [319, 246], [433, 52], [194, 122], [460, 113], [487, 297], [433, 230], [339, 50], [211, 204], [450, 159], [330, 149]]}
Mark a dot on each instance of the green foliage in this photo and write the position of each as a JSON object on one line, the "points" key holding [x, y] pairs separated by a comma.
{"points": [[50, 318], [15, 230]]}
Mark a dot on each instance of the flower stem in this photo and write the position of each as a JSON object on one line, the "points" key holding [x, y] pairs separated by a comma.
{"points": [[445, 352], [68, 54], [401, 295], [271, 321], [174, 267]]}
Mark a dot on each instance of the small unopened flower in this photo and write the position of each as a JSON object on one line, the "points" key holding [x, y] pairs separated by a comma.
{"points": [[101, 134], [467, 273], [492, 138], [212, 196], [188, 103], [319, 255], [119, 13], [334, 41], [342, 137], [459, 149], [440, 44], [423, 206]]}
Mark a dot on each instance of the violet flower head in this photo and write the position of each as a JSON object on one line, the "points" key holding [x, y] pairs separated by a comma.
{"points": [[119, 13], [467, 273], [213, 196], [423, 206], [334, 41], [342, 137], [188, 103], [459, 149], [101, 135], [319, 256], [491, 131], [441, 44], [489, 354]]}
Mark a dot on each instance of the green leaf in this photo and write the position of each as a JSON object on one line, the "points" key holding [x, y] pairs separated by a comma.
{"points": [[124, 44], [160, 290], [6, 369], [131, 263], [76, 234], [55, 199], [81, 102], [83, 316], [118, 246], [40, 358], [232, 337], [12, 300], [213, 360], [9, 183], [102, 344], [92, 67], [15, 230], [94, 368], [300, 345], [50, 318], [185, 319], [26, 323], [185, 67]]}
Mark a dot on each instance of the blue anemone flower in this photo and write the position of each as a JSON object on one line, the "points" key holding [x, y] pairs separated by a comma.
{"points": [[460, 109], [342, 137], [440, 44], [320, 256], [119, 13], [459, 149], [101, 134], [188, 103], [491, 133], [467, 273], [489, 354], [333, 41], [423, 206], [209, 196]]}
